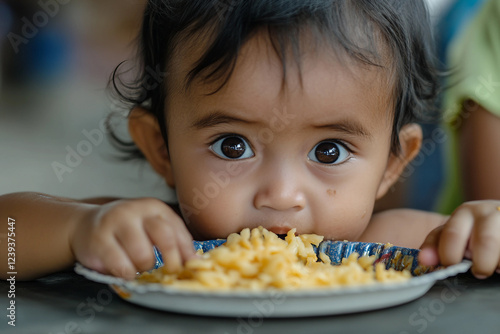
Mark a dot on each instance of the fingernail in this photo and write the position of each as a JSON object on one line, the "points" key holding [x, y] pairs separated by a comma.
{"points": [[481, 276]]}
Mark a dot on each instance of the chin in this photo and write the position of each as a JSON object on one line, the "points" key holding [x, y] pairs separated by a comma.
{"points": [[201, 234]]}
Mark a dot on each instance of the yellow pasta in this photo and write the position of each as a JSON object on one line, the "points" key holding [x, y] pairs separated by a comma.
{"points": [[258, 259]]}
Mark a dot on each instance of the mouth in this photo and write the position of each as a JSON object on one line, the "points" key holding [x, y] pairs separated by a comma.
{"points": [[279, 230]]}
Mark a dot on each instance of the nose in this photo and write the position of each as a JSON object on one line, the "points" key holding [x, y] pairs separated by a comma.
{"points": [[280, 188]]}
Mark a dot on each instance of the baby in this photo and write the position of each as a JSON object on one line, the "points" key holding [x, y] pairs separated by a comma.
{"points": [[282, 114]]}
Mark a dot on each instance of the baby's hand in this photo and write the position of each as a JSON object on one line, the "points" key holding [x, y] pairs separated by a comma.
{"points": [[473, 232], [118, 238]]}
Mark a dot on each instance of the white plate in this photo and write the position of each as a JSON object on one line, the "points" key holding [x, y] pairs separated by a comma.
{"points": [[274, 303], [299, 303]]}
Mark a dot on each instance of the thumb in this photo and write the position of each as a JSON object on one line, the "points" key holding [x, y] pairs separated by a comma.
{"points": [[429, 255]]}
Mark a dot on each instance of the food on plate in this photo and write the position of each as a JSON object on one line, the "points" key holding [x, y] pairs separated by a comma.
{"points": [[258, 259]]}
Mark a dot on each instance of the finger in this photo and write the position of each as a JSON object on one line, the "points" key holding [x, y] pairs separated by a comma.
{"points": [[432, 239], [95, 264], [428, 255], [158, 234], [154, 227], [455, 237], [485, 246], [116, 261], [186, 246], [164, 236], [173, 261], [139, 249]]}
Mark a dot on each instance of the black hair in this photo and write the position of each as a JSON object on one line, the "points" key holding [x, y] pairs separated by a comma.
{"points": [[396, 33]]}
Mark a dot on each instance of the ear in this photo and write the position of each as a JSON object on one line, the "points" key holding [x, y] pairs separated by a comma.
{"points": [[146, 134], [410, 138]]}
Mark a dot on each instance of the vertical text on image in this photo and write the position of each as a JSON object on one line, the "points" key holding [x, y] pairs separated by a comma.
{"points": [[11, 265]]}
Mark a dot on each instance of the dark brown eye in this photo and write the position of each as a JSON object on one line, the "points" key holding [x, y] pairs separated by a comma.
{"points": [[232, 148], [329, 153]]}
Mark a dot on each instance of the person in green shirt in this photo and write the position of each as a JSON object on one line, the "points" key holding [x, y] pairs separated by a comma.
{"points": [[472, 111]]}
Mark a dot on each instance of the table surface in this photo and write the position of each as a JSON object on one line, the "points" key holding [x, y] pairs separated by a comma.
{"points": [[69, 303]]}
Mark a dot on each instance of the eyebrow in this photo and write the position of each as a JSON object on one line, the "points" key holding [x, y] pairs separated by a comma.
{"points": [[348, 127], [215, 118]]}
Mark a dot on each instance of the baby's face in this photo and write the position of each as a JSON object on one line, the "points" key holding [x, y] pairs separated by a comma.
{"points": [[310, 156]]}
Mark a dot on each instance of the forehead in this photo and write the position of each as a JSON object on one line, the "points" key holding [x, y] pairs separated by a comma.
{"points": [[322, 79]]}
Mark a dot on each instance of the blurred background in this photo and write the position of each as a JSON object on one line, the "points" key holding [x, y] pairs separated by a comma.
{"points": [[56, 57]]}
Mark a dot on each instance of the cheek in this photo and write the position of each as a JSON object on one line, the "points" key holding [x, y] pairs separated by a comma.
{"points": [[344, 207], [212, 212], [209, 198], [345, 218]]}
